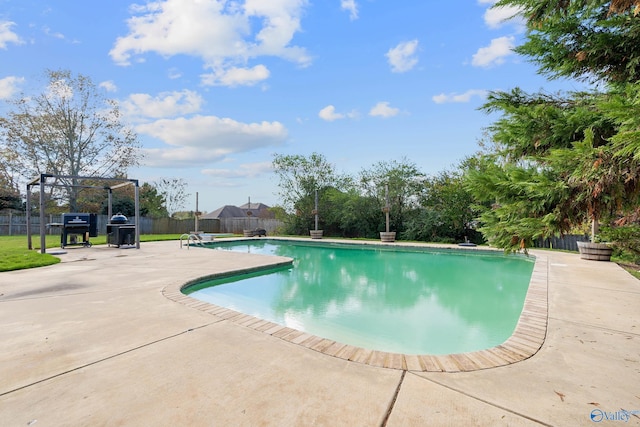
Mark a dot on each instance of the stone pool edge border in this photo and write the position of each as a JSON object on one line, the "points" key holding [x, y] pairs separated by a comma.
{"points": [[526, 340]]}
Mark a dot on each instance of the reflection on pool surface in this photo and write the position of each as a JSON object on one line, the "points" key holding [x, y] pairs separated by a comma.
{"points": [[409, 300]]}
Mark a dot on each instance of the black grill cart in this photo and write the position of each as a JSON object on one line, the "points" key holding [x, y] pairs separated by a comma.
{"points": [[77, 224], [120, 232]]}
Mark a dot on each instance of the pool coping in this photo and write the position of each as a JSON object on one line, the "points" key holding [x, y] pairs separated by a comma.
{"points": [[527, 339]]}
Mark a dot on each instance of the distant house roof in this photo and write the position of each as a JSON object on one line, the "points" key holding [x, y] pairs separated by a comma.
{"points": [[254, 207], [258, 210], [227, 211]]}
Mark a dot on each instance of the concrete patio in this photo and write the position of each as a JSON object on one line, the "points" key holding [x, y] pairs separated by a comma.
{"points": [[94, 341]]}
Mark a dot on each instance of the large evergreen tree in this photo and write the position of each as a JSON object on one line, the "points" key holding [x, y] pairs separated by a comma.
{"points": [[592, 40], [560, 160]]}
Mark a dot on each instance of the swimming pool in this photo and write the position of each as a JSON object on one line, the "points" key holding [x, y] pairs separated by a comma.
{"points": [[404, 300]]}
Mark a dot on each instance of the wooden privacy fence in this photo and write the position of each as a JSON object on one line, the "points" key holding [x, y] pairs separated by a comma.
{"points": [[179, 226], [236, 225], [567, 243], [15, 225], [218, 225]]}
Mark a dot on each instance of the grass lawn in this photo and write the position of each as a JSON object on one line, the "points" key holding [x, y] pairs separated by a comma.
{"points": [[14, 254], [632, 268]]}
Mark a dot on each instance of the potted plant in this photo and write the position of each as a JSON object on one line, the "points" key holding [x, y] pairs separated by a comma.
{"points": [[248, 232], [602, 185], [387, 236], [595, 250], [316, 234]]}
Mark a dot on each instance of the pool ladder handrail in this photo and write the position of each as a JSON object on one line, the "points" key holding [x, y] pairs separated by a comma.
{"points": [[191, 236]]}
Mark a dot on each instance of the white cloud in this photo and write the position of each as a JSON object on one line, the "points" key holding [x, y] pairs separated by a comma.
{"points": [[109, 86], [236, 76], [54, 34], [6, 35], [225, 35], [204, 139], [174, 73], [440, 99], [9, 86], [402, 57], [166, 104], [495, 53], [459, 98], [329, 114], [351, 6], [497, 17], [382, 109], [246, 170]]}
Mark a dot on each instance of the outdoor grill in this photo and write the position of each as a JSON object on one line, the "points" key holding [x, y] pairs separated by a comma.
{"points": [[119, 232], [78, 224]]}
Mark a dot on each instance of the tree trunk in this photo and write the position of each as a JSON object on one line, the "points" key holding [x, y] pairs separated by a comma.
{"points": [[595, 229]]}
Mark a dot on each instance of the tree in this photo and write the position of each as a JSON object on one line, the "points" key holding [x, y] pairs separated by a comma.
{"points": [[447, 212], [518, 204], [350, 210], [152, 203], [404, 182], [96, 199], [533, 124], [9, 198], [622, 107], [301, 176], [564, 159], [594, 40], [9, 194], [69, 129], [93, 199], [350, 214], [174, 193], [555, 167], [121, 203]]}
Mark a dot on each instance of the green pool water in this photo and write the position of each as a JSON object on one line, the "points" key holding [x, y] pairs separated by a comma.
{"points": [[410, 301]]}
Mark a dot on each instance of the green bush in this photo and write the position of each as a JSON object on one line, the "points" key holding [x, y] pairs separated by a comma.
{"points": [[625, 241]]}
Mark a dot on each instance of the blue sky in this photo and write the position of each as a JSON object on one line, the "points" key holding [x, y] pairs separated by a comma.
{"points": [[214, 88]]}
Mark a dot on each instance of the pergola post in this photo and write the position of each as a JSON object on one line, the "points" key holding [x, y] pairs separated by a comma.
{"points": [[43, 237], [137, 212], [29, 243], [110, 202]]}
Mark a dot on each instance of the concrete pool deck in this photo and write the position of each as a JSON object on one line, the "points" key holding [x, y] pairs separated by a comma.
{"points": [[95, 341]]}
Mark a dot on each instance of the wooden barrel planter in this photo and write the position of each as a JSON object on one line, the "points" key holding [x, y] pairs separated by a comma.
{"points": [[594, 251], [247, 233], [388, 236], [316, 234]]}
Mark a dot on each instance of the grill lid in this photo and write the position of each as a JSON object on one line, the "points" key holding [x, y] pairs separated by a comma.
{"points": [[75, 219], [119, 219]]}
